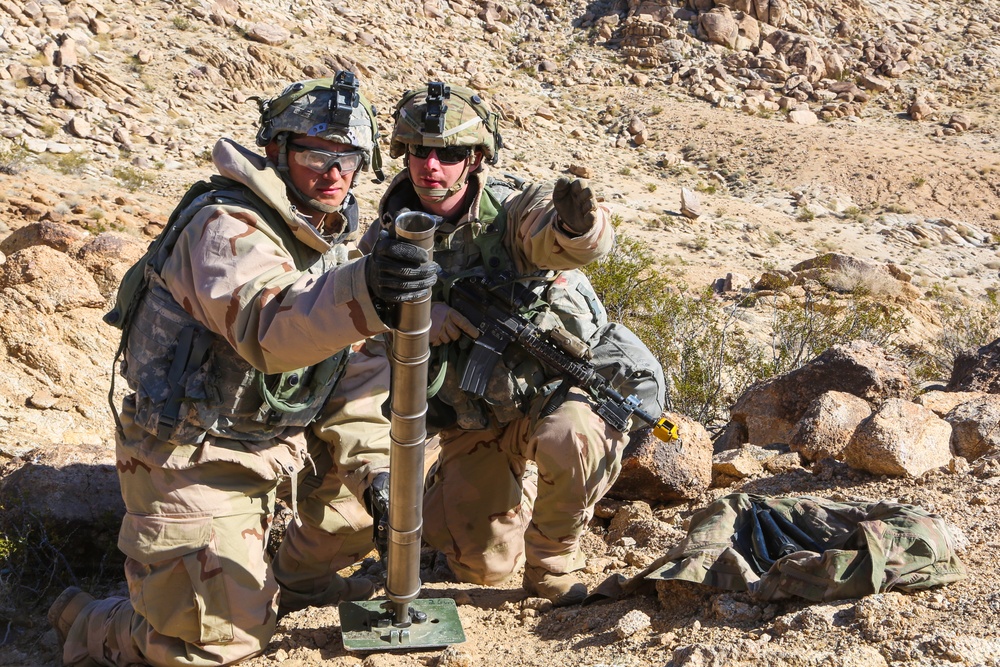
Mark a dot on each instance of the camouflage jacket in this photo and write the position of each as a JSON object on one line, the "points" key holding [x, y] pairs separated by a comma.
{"points": [[814, 548], [241, 282], [535, 246], [247, 324]]}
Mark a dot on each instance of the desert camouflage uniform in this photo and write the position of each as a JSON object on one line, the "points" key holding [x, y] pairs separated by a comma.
{"points": [[478, 506], [201, 588]]}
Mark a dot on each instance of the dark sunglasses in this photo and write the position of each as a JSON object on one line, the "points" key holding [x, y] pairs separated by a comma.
{"points": [[321, 161], [445, 155]]}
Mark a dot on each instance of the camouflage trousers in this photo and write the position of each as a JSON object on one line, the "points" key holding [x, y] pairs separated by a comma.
{"points": [[480, 508], [202, 589]]}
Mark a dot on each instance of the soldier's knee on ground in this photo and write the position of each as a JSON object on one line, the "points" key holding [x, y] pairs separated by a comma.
{"points": [[481, 576]]}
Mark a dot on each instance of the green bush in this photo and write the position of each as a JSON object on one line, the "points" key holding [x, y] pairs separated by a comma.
{"points": [[702, 352], [131, 178], [39, 557], [965, 327], [624, 278], [72, 163], [806, 330], [709, 356], [12, 159]]}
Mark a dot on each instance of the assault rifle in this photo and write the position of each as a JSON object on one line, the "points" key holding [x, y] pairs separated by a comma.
{"points": [[492, 306]]}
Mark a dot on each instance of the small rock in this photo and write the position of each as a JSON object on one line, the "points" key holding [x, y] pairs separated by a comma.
{"points": [[538, 604], [454, 657], [920, 110], [802, 117], [67, 54], [871, 82], [545, 112], [79, 127], [960, 122], [267, 33], [631, 623], [42, 400], [636, 126], [738, 463], [690, 205]]}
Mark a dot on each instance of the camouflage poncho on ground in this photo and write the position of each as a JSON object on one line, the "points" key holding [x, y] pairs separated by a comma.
{"points": [[854, 549]]}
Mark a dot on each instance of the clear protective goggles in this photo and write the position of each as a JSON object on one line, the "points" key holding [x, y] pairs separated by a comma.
{"points": [[322, 161], [445, 155]]}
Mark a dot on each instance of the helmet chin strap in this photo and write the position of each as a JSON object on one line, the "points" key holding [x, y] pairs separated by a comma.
{"points": [[440, 194], [301, 196]]}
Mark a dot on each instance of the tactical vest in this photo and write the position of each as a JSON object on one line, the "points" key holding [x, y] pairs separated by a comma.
{"points": [[565, 298], [188, 381]]}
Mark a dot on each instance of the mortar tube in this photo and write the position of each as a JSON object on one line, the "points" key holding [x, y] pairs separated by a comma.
{"points": [[408, 428]]}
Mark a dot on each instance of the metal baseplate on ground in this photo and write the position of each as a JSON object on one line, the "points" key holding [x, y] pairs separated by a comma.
{"points": [[370, 625]]}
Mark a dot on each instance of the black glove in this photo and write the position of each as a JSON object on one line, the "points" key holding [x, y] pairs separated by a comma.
{"points": [[377, 501], [398, 271], [576, 205]]}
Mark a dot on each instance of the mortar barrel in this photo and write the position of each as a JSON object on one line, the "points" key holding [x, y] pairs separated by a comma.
{"points": [[410, 356]]}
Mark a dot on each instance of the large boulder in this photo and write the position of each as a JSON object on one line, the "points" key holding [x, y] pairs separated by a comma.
{"points": [[768, 11], [976, 427], [846, 273], [828, 425], [69, 501], [719, 26], [943, 402], [50, 319], [42, 278], [801, 52], [901, 439], [55, 235], [769, 412], [977, 371], [108, 256], [658, 472]]}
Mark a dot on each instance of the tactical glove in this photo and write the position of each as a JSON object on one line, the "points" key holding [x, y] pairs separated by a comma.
{"points": [[447, 325], [398, 272], [377, 501], [576, 205]]}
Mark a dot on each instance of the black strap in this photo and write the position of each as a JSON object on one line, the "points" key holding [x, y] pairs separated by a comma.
{"points": [[192, 348]]}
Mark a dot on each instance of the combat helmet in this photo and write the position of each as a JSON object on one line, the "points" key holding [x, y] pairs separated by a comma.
{"points": [[328, 108], [441, 115]]}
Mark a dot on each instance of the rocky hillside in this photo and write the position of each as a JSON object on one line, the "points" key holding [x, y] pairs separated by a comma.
{"points": [[738, 140]]}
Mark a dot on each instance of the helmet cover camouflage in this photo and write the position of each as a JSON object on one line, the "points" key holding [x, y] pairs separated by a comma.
{"points": [[440, 116], [329, 108]]}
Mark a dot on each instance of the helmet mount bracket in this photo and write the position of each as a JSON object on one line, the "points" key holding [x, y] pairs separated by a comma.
{"points": [[434, 117], [345, 98]]}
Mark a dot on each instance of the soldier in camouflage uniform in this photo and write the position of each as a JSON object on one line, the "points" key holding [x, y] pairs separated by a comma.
{"points": [[246, 368], [478, 506]]}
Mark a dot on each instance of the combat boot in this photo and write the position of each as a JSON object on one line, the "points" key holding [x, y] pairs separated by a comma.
{"points": [[65, 609], [561, 589], [339, 590]]}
